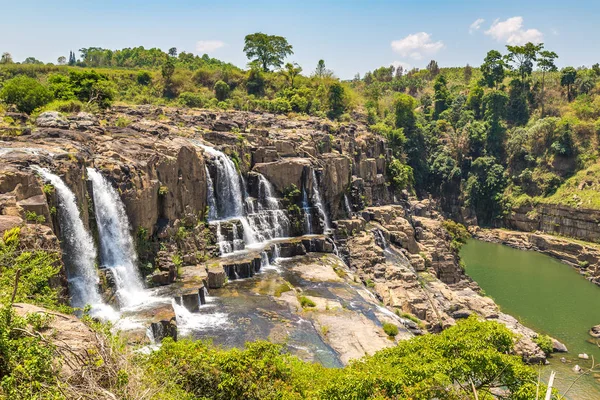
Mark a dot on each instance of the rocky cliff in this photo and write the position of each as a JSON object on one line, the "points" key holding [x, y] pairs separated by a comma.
{"points": [[155, 159]]}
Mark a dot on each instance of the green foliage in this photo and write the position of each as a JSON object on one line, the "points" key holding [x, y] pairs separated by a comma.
{"points": [[189, 99], [305, 302], [144, 78], [32, 216], [37, 268], [221, 90], [122, 122], [25, 93], [430, 366], [493, 69], [390, 329], [401, 174], [266, 50], [336, 101], [26, 368], [484, 189], [545, 343], [163, 190], [458, 233]]}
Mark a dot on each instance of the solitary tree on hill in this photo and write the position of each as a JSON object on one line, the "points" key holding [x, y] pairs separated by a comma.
{"points": [[267, 50]]}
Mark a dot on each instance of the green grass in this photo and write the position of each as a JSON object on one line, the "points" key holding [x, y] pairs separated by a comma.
{"points": [[570, 194]]}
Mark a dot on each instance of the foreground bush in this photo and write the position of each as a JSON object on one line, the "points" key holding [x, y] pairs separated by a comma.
{"points": [[440, 366]]}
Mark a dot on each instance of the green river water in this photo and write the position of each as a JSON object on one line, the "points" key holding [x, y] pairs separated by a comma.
{"points": [[547, 296]]}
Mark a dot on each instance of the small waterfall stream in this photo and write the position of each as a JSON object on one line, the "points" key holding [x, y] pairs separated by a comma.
{"points": [[116, 243], [79, 251], [319, 202]]}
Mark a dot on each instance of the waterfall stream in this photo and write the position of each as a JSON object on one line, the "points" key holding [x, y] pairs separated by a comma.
{"points": [[117, 250], [319, 202], [79, 251], [260, 219]]}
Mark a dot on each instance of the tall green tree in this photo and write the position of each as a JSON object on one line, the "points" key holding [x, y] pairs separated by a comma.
{"points": [[291, 71], [62, 60], [322, 72], [441, 96], [433, 68], [337, 104], [172, 52], [167, 71], [546, 64], [568, 75], [267, 50], [493, 69], [521, 58]]}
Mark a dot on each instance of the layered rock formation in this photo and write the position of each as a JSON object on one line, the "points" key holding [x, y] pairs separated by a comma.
{"points": [[155, 159]]}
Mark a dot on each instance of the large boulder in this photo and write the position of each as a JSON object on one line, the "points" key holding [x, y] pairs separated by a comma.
{"points": [[52, 119], [284, 173]]}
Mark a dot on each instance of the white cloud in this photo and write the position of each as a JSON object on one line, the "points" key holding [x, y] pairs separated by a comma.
{"points": [[416, 46], [511, 31], [476, 25], [208, 46]]}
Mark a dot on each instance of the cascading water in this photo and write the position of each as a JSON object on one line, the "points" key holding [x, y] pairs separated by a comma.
{"points": [[308, 223], [210, 195], [261, 219], [116, 243], [319, 203], [348, 206], [227, 184], [79, 251], [268, 218]]}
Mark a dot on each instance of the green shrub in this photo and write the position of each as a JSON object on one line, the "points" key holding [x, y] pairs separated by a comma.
{"points": [[390, 329], [401, 174], [458, 233], [221, 90], [545, 343], [189, 99], [144, 78], [306, 302], [425, 367], [25, 93], [64, 106]]}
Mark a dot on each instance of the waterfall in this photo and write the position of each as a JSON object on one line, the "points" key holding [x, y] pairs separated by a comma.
{"points": [[116, 244], [268, 219], [79, 251], [348, 206], [319, 203], [261, 219], [228, 185], [210, 194], [308, 224]]}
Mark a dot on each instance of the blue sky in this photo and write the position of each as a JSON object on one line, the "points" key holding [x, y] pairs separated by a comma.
{"points": [[351, 36]]}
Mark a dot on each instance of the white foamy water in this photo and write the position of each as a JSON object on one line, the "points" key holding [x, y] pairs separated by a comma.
{"points": [[79, 251], [117, 249]]}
